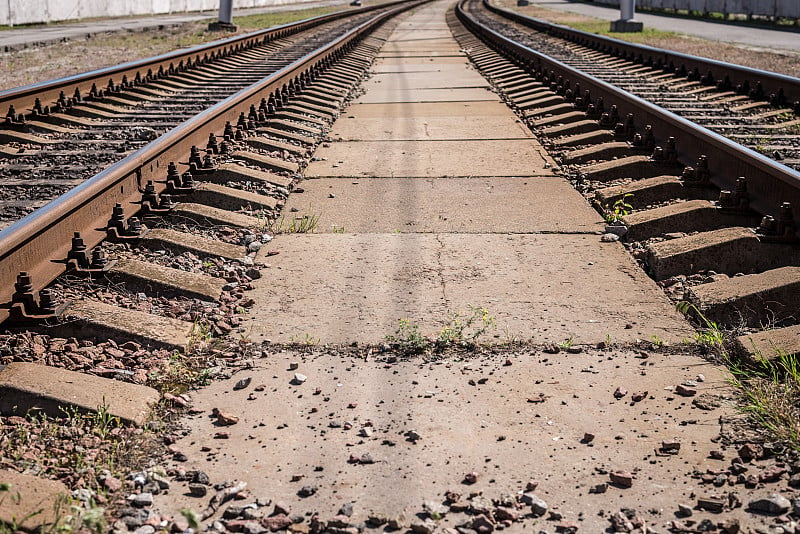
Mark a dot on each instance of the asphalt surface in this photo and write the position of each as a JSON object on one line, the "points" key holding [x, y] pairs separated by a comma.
{"points": [[727, 32], [23, 37]]}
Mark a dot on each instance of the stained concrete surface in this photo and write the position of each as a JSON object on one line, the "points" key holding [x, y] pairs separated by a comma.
{"points": [[495, 157], [457, 206], [341, 288], [291, 436], [438, 205], [428, 121], [31, 503]]}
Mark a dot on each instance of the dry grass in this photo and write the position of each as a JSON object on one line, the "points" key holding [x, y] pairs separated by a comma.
{"points": [[23, 67], [782, 62]]}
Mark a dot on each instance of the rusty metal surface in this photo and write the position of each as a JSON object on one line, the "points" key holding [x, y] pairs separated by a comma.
{"points": [[770, 82], [769, 183], [23, 98], [39, 242]]}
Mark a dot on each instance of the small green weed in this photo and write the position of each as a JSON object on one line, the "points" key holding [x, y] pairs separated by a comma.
{"points": [[460, 330], [192, 518], [338, 229], [199, 336], [179, 374], [567, 343], [656, 341], [464, 330], [619, 209], [308, 340], [304, 224], [770, 393], [710, 336], [407, 338]]}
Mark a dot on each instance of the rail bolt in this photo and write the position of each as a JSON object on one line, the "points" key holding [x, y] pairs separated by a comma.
{"points": [[149, 195], [78, 251], [23, 293], [117, 221], [165, 202], [47, 302], [173, 177], [99, 259], [212, 143], [187, 180], [194, 157], [134, 226]]}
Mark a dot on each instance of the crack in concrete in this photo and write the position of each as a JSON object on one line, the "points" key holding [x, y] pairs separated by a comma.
{"points": [[440, 269]]}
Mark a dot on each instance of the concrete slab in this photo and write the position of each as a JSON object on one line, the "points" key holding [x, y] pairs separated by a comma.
{"points": [[355, 287], [28, 387], [380, 95], [432, 159], [771, 344], [432, 54], [428, 121], [420, 65], [490, 428], [428, 48], [450, 78], [31, 503], [158, 279], [462, 205]]}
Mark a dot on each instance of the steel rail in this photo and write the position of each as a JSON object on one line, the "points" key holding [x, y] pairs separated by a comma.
{"points": [[39, 242], [708, 71], [769, 183], [48, 92]]}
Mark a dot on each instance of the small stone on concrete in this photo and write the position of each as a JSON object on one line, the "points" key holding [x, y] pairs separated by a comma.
{"points": [[774, 503], [621, 478]]}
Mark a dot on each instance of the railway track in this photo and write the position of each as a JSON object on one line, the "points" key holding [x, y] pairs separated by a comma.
{"points": [[55, 143], [158, 253], [160, 93], [757, 109], [712, 222]]}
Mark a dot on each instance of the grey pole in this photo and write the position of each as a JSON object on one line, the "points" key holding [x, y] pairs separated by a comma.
{"points": [[626, 22], [226, 11], [225, 22]]}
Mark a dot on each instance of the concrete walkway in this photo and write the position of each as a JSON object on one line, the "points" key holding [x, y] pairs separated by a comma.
{"points": [[726, 32], [443, 199], [23, 37], [434, 198]]}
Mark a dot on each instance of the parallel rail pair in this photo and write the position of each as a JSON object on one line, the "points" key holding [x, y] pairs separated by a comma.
{"points": [[39, 244], [769, 183]]}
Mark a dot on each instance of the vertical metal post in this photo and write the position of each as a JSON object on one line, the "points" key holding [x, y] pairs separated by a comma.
{"points": [[626, 22], [226, 11], [225, 22], [626, 9]]}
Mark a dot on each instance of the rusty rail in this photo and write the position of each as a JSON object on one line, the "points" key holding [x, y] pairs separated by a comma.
{"points": [[777, 88], [40, 242], [142, 71], [769, 183]]}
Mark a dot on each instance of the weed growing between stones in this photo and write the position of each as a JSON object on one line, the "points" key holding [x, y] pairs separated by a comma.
{"points": [[709, 336], [305, 224], [770, 393], [180, 373], [460, 331], [768, 388], [618, 210]]}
